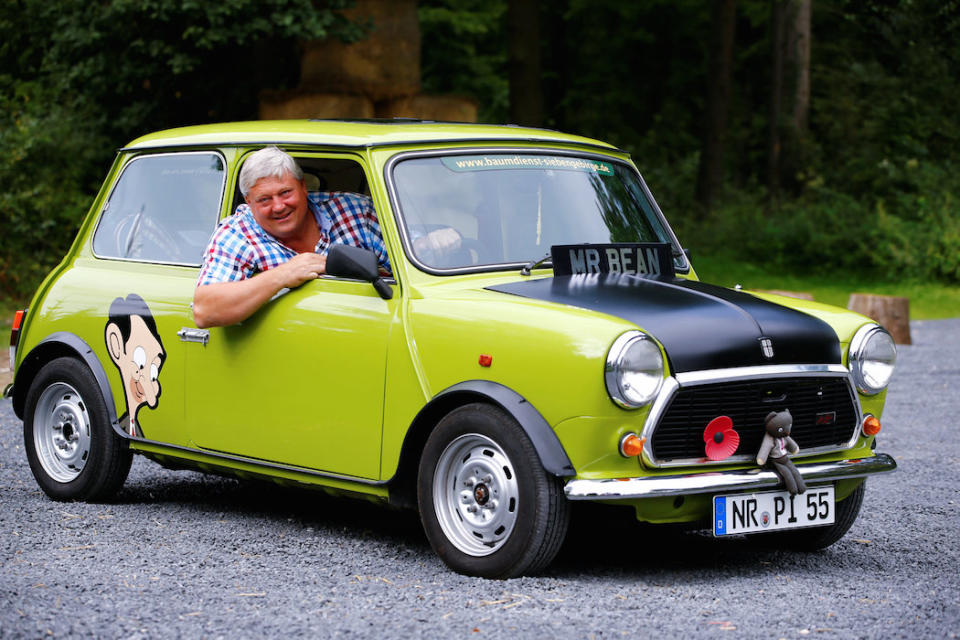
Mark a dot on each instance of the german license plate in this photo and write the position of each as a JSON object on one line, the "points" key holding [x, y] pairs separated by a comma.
{"points": [[772, 511]]}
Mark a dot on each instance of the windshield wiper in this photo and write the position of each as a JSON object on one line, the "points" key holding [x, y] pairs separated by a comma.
{"points": [[533, 264]]}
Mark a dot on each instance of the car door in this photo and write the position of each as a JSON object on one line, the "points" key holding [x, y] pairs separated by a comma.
{"points": [[138, 283], [301, 382]]}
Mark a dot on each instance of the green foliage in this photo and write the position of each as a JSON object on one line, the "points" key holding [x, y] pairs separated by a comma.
{"points": [[874, 189], [79, 79], [49, 163], [911, 233], [465, 52], [887, 79], [629, 72], [166, 62], [873, 185]]}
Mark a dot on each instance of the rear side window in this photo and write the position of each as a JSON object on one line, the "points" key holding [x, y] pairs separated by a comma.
{"points": [[163, 208]]}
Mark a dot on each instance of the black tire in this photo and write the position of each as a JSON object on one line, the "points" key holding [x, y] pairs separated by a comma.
{"points": [[816, 538], [72, 449], [488, 506]]}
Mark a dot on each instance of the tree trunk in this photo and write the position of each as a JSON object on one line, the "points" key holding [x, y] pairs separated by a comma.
{"points": [[719, 80], [798, 61], [789, 91], [523, 34], [776, 95]]}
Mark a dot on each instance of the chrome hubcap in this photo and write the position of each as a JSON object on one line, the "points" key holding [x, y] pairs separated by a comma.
{"points": [[475, 494], [61, 432]]}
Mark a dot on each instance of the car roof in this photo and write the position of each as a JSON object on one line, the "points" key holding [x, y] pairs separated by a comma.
{"points": [[352, 133]]}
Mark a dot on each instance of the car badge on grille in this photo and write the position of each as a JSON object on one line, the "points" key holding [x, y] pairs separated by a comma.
{"points": [[826, 418], [766, 345]]}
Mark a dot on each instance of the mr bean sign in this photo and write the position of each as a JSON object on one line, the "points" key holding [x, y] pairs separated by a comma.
{"points": [[649, 259]]}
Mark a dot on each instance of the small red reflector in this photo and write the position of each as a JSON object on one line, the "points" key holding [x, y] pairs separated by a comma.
{"points": [[871, 426], [17, 320], [485, 360]]}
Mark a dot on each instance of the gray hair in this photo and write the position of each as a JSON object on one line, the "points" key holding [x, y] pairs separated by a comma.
{"points": [[267, 162]]}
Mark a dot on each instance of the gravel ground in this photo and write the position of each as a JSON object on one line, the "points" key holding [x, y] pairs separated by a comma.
{"points": [[182, 554]]}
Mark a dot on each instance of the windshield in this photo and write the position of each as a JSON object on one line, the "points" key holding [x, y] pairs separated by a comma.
{"points": [[511, 208]]}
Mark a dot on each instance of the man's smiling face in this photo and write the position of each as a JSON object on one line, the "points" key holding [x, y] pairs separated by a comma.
{"points": [[279, 205]]}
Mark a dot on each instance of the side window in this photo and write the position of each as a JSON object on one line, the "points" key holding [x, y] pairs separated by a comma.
{"points": [[163, 208]]}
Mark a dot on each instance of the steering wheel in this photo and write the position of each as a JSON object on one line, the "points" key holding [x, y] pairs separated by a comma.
{"points": [[466, 255], [473, 247]]}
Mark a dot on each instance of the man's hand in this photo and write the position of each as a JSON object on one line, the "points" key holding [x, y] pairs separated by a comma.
{"points": [[440, 242], [225, 303], [299, 269]]}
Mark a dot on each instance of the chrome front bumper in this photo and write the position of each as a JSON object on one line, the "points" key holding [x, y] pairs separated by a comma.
{"points": [[722, 481]]}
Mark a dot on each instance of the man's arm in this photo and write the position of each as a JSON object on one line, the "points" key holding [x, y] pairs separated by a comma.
{"points": [[224, 303]]}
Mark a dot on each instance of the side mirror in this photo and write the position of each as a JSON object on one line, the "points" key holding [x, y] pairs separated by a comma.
{"points": [[347, 261]]}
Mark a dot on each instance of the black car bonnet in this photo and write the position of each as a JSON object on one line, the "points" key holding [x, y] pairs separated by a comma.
{"points": [[701, 326]]}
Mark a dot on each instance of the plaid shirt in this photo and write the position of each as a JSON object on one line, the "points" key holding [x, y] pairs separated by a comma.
{"points": [[240, 248]]}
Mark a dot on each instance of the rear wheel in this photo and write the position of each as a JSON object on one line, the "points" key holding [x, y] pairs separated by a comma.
{"points": [[487, 505], [72, 449]]}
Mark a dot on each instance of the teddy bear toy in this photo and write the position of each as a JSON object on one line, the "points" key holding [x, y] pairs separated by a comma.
{"points": [[776, 446]]}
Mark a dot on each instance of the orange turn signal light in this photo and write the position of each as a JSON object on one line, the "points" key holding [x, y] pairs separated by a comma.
{"points": [[485, 360], [871, 425], [631, 445], [17, 320]]}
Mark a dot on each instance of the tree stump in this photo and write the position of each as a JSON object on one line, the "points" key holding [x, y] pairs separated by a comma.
{"points": [[892, 312]]}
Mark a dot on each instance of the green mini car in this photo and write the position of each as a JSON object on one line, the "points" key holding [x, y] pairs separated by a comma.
{"points": [[564, 349]]}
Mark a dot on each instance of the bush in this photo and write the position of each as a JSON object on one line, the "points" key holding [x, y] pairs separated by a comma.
{"points": [[910, 229], [78, 79], [50, 165]]}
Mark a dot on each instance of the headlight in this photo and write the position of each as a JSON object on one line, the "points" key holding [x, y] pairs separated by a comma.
{"points": [[634, 370], [872, 357]]}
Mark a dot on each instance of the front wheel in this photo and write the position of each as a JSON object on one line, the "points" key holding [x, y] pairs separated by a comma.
{"points": [[73, 451], [488, 506]]}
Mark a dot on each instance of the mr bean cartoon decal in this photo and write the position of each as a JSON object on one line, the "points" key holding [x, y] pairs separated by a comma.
{"points": [[134, 346]]}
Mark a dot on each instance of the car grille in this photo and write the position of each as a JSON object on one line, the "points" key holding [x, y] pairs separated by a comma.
{"points": [[679, 434]]}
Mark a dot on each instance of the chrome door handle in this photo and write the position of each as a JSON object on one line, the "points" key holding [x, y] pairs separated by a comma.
{"points": [[194, 335]]}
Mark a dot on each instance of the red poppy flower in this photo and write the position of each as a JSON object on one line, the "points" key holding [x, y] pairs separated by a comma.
{"points": [[720, 438]]}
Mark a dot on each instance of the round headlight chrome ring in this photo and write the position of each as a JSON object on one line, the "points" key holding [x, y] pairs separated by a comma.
{"points": [[634, 370], [871, 360]]}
